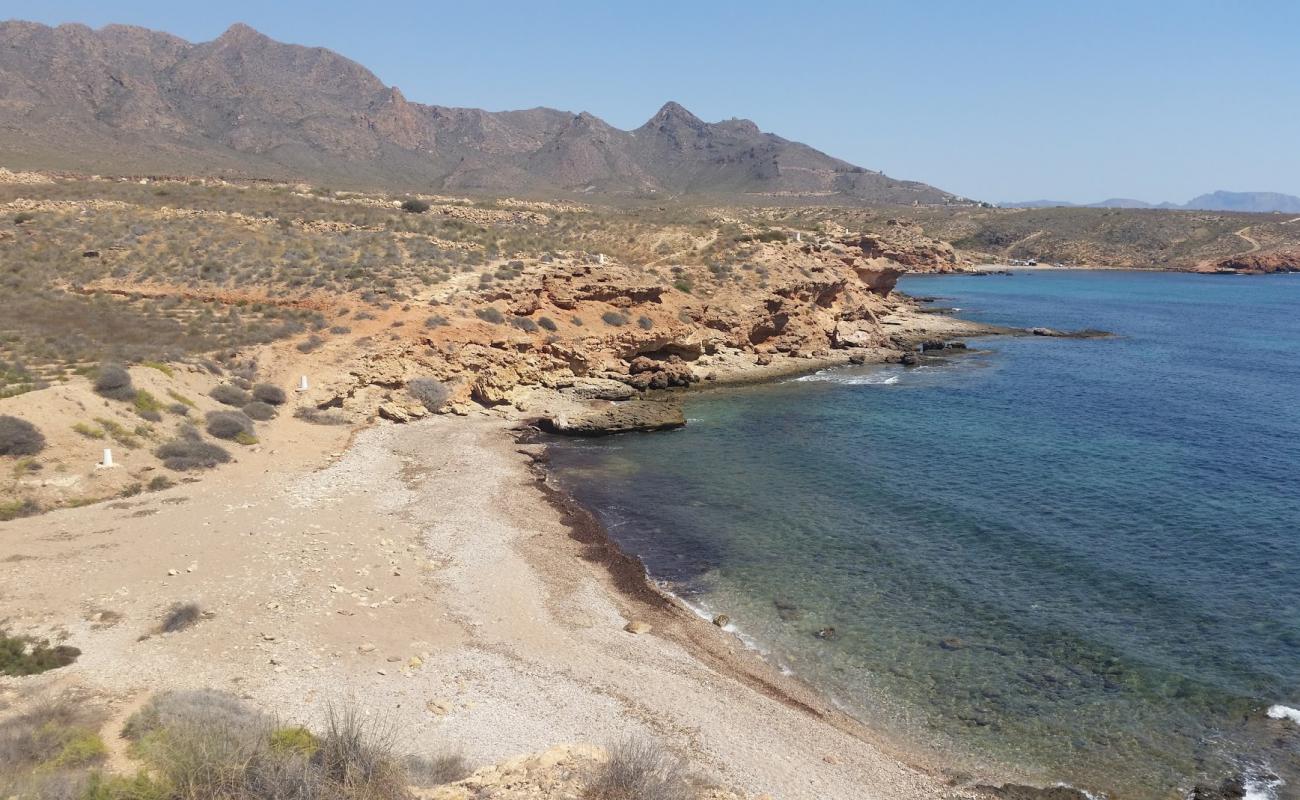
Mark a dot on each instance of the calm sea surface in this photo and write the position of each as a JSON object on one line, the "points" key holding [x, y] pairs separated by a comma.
{"points": [[1080, 558]]}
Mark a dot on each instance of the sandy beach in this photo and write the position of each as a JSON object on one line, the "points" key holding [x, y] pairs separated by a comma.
{"points": [[423, 572]]}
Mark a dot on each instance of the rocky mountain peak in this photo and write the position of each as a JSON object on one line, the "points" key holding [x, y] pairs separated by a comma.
{"points": [[130, 99]]}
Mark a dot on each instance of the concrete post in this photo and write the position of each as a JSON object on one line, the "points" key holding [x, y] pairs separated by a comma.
{"points": [[108, 458], [302, 383]]}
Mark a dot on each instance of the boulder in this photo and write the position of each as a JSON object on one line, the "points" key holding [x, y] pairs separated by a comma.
{"points": [[599, 389], [624, 417]]}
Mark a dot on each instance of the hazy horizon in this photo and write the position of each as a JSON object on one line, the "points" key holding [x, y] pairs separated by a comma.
{"points": [[1017, 103]]}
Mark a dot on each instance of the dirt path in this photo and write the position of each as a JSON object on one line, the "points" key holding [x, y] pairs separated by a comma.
{"points": [[1243, 234], [1006, 251]]}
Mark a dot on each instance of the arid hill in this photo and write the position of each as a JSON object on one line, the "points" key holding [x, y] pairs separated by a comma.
{"points": [[123, 100]]}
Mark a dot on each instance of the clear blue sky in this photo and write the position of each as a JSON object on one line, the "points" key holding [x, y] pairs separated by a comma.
{"points": [[1013, 100]]}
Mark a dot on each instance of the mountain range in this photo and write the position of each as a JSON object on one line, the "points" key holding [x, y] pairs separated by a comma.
{"points": [[125, 100], [1259, 202]]}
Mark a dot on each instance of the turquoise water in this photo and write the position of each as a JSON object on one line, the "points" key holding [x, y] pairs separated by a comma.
{"points": [[1079, 558]]}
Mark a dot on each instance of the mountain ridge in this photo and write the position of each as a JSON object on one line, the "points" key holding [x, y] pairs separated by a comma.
{"points": [[1220, 200], [127, 99]]}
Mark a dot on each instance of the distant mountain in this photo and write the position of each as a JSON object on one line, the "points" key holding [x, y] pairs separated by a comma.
{"points": [[1259, 202], [1246, 201], [130, 100]]}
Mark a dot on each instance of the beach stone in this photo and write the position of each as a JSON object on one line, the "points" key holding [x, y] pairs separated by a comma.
{"points": [[637, 626], [911, 359], [722, 620], [951, 643], [366, 648]]}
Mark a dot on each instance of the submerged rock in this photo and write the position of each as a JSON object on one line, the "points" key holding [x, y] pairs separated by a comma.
{"points": [[1014, 791]]}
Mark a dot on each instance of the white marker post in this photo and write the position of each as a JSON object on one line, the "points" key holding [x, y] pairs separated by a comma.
{"points": [[798, 236], [600, 259], [302, 383], [108, 458]]}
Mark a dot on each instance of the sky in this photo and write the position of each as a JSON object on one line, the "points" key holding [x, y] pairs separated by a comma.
{"points": [[999, 100]]}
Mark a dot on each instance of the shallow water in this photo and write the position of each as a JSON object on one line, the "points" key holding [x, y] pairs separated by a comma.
{"points": [[1077, 557]]}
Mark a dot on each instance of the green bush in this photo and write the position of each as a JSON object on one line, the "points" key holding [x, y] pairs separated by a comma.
{"points": [[21, 655]]}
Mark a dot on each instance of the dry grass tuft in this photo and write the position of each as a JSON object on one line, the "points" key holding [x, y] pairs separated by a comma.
{"points": [[639, 769], [180, 617]]}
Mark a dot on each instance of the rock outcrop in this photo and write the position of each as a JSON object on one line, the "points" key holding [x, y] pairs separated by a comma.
{"points": [[611, 418], [1262, 263]]}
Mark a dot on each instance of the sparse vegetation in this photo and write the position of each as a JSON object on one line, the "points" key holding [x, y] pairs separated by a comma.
{"points": [[114, 382], [269, 393], [413, 206], [21, 507], [18, 437], [208, 745], [21, 655], [490, 314], [259, 411], [639, 769], [189, 452], [438, 770], [179, 617], [147, 406], [229, 394], [614, 319], [318, 416], [431, 393]]}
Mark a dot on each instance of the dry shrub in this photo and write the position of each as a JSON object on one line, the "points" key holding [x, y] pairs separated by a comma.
{"points": [[356, 754], [189, 452], [259, 411], [639, 769], [47, 752], [18, 437], [229, 424], [179, 617], [230, 395], [438, 770], [114, 382], [269, 394], [429, 391], [318, 416], [209, 745]]}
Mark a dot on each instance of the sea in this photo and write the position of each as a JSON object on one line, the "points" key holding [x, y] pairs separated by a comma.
{"points": [[1075, 560]]}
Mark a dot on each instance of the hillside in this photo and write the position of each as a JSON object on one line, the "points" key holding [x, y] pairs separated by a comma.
{"points": [[123, 100]]}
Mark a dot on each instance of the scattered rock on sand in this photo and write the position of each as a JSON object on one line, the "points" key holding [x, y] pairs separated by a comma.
{"points": [[722, 620], [631, 415], [637, 626]]}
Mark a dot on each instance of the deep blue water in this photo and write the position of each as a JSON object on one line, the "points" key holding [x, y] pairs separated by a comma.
{"points": [[1078, 558]]}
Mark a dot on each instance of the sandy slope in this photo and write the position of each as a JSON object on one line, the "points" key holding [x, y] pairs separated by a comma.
{"points": [[424, 573]]}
